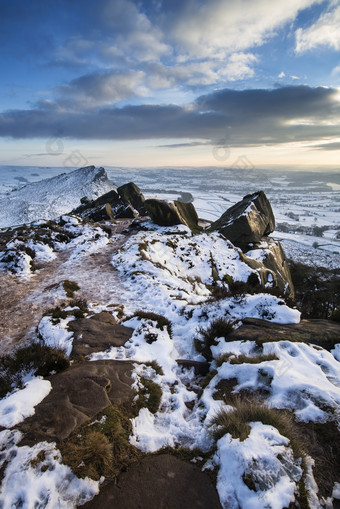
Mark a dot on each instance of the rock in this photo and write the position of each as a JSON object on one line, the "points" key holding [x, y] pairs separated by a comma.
{"points": [[324, 333], [94, 335], [102, 209], [159, 482], [77, 395], [200, 368], [126, 211], [247, 221], [104, 317], [166, 213], [272, 266], [130, 193]]}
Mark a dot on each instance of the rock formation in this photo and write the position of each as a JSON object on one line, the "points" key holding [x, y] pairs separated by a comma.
{"points": [[166, 213], [247, 221]]}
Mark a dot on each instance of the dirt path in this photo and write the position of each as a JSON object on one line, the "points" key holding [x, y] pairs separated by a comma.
{"points": [[23, 301]]}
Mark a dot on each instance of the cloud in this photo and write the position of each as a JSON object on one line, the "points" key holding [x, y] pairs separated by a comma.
{"points": [[217, 28], [328, 146], [281, 75], [236, 118], [99, 89], [325, 32]]}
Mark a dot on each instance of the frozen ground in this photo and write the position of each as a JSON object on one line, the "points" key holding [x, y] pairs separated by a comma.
{"points": [[168, 271]]}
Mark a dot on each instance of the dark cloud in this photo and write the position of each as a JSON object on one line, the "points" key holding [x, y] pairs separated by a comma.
{"points": [[283, 103], [227, 117], [329, 146]]}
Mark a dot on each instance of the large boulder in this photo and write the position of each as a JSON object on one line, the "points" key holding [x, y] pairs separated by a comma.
{"points": [[130, 193], [166, 213], [159, 482], [247, 221], [269, 259]]}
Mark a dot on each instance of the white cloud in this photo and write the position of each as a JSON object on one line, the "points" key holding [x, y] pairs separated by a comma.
{"points": [[294, 77], [336, 71], [219, 28], [281, 75], [239, 66], [325, 32]]}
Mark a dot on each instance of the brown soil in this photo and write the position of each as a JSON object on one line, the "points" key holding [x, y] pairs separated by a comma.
{"points": [[24, 300]]}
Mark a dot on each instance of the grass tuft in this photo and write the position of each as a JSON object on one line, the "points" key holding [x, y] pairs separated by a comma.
{"points": [[149, 396], [219, 328], [246, 359], [70, 288], [236, 422]]}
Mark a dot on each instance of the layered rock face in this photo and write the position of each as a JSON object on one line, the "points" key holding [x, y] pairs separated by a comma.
{"points": [[247, 221], [164, 213]]}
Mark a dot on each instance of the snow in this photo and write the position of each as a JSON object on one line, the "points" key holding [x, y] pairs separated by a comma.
{"points": [[170, 271], [52, 197], [56, 335], [266, 454], [304, 379], [35, 477], [20, 404]]}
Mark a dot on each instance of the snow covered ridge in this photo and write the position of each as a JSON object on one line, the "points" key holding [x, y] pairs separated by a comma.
{"points": [[194, 282], [52, 197]]}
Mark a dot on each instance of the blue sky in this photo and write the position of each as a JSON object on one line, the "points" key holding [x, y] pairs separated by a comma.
{"points": [[172, 82]]}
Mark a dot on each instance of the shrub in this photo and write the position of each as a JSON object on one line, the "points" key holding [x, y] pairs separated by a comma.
{"points": [[217, 329], [70, 287], [160, 320], [42, 360], [335, 316]]}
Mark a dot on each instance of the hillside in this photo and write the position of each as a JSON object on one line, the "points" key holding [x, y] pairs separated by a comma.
{"points": [[144, 364]]}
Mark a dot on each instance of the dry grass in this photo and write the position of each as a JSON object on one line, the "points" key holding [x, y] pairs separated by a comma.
{"points": [[70, 288], [246, 359], [236, 422], [101, 448]]}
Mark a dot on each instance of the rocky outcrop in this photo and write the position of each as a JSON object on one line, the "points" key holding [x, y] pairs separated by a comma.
{"points": [[159, 482], [247, 221], [272, 266], [107, 207], [78, 394], [166, 213], [130, 193], [125, 203], [324, 333]]}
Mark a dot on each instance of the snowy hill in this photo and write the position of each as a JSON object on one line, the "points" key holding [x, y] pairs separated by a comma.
{"points": [[49, 198], [141, 339]]}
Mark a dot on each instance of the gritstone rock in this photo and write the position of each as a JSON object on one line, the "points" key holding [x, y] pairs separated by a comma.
{"points": [[247, 221]]}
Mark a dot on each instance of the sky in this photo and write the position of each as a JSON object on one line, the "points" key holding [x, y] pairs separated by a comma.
{"points": [[170, 83]]}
